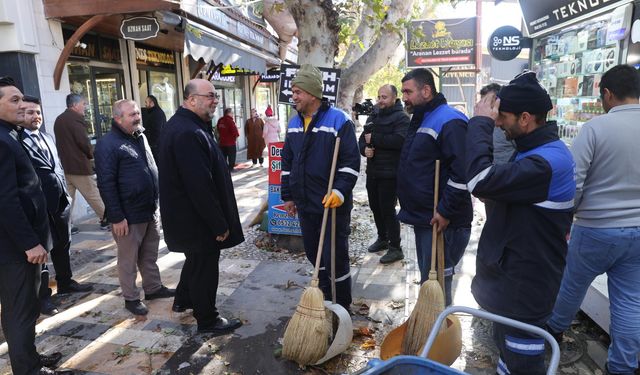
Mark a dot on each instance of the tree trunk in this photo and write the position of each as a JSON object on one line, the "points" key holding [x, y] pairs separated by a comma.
{"points": [[318, 29]]}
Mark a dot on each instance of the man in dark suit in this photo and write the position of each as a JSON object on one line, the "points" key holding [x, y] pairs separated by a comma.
{"points": [[197, 204], [24, 237], [44, 157]]}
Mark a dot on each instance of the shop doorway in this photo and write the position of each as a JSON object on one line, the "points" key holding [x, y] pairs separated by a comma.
{"points": [[101, 87]]}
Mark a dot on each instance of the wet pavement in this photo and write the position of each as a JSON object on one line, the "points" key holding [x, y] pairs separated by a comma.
{"points": [[262, 287]]}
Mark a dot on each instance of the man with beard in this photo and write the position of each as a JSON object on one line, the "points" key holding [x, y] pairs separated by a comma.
{"points": [[44, 157], [198, 205], [437, 132], [381, 142], [128, 184], [522, 249], [306, 166]]}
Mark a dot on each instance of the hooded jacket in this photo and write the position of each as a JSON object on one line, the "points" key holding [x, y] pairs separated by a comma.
{"points": [[522, 249], [437, 131], [388, 128]]}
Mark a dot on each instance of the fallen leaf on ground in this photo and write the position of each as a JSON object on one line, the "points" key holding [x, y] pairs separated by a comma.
{"points": [[396, 304], [363, 331], [369, 344]]}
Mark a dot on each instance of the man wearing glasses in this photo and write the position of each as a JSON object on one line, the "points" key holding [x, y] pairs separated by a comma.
{"points": [[197, 204]]}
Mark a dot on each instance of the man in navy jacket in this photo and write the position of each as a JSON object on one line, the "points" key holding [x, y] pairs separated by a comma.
{"points": [[436, 132], [306, 165], [128, 183], [522, 249]]}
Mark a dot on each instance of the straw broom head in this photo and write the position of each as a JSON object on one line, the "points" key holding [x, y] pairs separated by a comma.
{"points": [[306, 338], [429, 305]]}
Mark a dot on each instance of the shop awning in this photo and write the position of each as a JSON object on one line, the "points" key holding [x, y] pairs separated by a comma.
{"points": [[203, 43]]}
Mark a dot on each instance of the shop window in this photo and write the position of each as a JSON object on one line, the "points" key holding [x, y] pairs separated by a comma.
{"points": [[162, 85], [570, 64], [263, 98]]}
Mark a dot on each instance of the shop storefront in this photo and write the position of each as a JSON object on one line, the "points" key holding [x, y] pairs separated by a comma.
{"points": [[96, 73], [577, 43], [157, 76]]}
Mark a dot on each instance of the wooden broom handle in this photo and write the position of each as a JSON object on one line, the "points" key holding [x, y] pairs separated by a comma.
{"points": [[434, 234], [332, 173], [333, 256]]}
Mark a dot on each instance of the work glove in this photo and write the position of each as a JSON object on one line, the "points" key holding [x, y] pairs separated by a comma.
{"points": [[333, 200]]}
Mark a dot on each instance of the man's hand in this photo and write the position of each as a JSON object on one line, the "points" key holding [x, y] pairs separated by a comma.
{"points": [[488, 106], [369, 152], [367, 138], [223, 236], [440, 222], [37, 255], [290, 207], [120, 229], [332, 200]]}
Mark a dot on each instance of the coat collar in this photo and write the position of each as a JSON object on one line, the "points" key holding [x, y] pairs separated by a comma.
{"points": [[8, 125], [420, 110], [542, 135], [193, 117]]}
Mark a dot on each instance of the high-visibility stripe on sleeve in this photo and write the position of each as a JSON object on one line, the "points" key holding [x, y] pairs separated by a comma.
{"points": [[429, 131], [349, 170], [457, 185], [556, 205], [285, 173], [479, 177]]}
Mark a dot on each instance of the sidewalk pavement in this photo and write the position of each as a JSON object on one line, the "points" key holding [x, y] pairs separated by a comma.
{"points": [[98, 336]]}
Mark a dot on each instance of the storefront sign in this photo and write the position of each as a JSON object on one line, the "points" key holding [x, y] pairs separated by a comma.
{"points": [[505, 43], [442, 42], [541, 16], [270, 76], [330, 79], [154, 57], [228, 70], [95, 47], [279, 220], [139, 28]]}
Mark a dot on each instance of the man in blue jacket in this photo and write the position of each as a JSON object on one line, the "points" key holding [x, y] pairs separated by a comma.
{"points": [[522, 249], [128, 183], [436, 132], [306, 164]]}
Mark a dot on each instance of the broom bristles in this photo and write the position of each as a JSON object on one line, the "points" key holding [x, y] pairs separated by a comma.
{"points": [[429, 305], [306, 338]]}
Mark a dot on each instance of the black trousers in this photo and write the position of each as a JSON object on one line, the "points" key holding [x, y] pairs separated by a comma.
{"points": [[198, 285], [229, 153], [521, 352], [382, 200], [59, 254], [19, 283], [255, 161], [311, 225]]}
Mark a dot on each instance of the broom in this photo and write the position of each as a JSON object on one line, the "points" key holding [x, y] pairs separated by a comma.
{"points": [[306, 338], [430, 298]]}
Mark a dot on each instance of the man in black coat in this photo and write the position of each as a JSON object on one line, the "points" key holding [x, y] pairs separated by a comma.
{"points": [[197, 204], [24, 238], [128, 184], [44, 157], [153, 120], [381, 142]]}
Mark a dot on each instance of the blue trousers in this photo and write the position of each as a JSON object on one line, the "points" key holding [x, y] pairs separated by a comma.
{"points": [[455, 241], [311, 225], [592, 252]]}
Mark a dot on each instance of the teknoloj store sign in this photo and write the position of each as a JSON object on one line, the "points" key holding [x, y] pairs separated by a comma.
{"points": [[542, 16], [445, 42]]}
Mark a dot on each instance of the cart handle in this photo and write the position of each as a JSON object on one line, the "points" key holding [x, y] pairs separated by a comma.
{"points": [[555, 349]]}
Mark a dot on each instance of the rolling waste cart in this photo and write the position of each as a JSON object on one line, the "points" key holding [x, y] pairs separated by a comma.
{"points": [[414, 365]]}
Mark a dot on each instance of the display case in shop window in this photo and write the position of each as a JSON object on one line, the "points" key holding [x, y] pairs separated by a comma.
{"points": [[570, 64]]}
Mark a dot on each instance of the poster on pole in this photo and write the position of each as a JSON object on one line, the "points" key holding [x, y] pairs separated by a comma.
{"points": [[446, 42], [280, 222], [330, 80]]}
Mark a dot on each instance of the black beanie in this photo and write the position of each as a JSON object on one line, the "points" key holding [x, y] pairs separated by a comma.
{"points": [[524, 94]]}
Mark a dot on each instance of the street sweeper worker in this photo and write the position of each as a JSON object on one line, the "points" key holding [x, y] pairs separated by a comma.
{"points": [[436, 132], [522, 249], [306, 165]]}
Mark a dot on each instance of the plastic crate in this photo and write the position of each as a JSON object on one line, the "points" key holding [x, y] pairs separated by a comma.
{"points": [[407, 365]]}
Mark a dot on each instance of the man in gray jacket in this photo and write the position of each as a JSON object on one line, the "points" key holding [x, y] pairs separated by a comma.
{"points": [[606, 233]]}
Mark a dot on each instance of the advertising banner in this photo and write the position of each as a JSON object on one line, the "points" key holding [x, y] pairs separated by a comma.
{"points": [[279, 221], [444, 42], [330, 80]]}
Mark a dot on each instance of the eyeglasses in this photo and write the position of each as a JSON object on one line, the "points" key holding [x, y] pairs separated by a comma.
{"points": [[209, 95]]}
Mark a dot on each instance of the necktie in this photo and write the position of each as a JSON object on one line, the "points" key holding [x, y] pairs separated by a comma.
{"points": [[41, 145]]}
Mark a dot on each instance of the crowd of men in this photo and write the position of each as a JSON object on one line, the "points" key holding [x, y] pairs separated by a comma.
{"points": [[508, 154]]}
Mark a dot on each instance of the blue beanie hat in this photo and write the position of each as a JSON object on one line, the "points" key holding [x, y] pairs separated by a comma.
{"points": [[524, 94]]}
